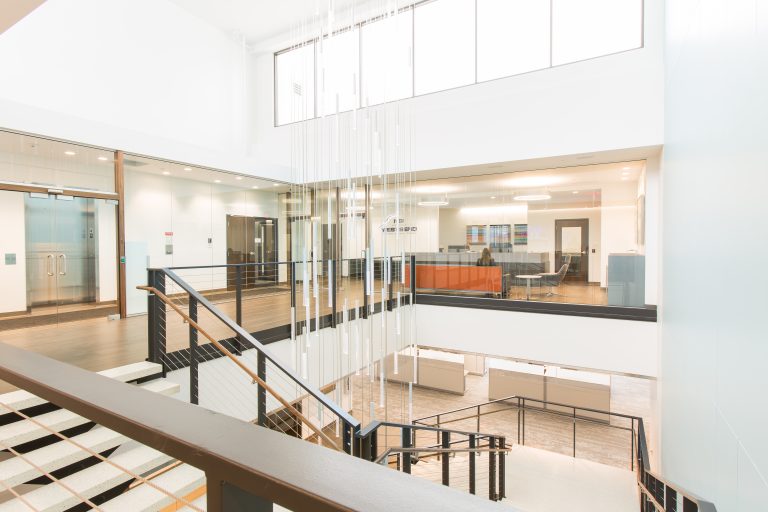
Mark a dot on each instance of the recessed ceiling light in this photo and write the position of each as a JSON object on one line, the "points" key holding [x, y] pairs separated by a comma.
{"points": [[355, 208], [275, 184], [533, 197], [70, 153], [575, 192], [187, 169], [624, 178], [238, 177], [102, 158], [433, 202], [493, 197], [625, 173], [166, 173], [626, 168], [255, 186], [217, 181]]}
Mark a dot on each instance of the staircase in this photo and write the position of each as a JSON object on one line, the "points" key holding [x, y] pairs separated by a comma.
{"points": [[53, 460]]}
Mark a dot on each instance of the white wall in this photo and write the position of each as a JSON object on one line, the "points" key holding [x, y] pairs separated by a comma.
{"points": [[454, 221], [601, 104], [714, 350], [193, 211], [145, 76], [13, 241], [618, 346]]}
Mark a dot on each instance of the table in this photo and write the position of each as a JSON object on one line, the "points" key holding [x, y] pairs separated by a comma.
{"points": [[528, 279]]}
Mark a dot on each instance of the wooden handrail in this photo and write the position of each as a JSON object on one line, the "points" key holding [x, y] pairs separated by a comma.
{"points": [[254, 377]]}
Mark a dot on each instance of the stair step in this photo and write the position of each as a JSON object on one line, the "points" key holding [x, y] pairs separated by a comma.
{"points": [[23, 399], [16, 471], [179, 481], [200, 503], [89, 482], [24, 431]]}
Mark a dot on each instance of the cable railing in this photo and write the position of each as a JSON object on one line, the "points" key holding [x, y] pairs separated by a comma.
{"points": [[139, 450], [596, 426], [470, 461]]}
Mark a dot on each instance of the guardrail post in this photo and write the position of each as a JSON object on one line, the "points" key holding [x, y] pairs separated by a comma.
{"points": [[238, 307], [390, 287], [492, 469], [472, 444], [346, 437], [374, 444], [194, 382], [406, 436], [365, 288], [446, 459], [574, 432], [294, 323], [156, 319], [261, 371], [502, 467], [413, 279]]}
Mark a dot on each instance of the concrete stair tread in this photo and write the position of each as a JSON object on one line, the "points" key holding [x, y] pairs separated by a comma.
{"points": [[16, 470], [24, 431], [89, 482], [180, 481], [21, 399]]}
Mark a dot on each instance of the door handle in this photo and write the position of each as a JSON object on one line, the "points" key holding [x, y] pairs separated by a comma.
{"points": [[63, 258], [49, 264]]}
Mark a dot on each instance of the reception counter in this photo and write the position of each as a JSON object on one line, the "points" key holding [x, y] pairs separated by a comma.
{"points": [[551, 384], [442, 371]]}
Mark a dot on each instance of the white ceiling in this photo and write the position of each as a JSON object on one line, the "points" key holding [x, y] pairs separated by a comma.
{"points": [[286, 20]]}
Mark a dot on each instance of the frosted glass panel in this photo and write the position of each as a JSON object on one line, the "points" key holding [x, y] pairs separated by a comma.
{"points": [[571, 240], [295, 85], [512, 37], [387, 59], [591, 28], [444, 45], [338, 73]]}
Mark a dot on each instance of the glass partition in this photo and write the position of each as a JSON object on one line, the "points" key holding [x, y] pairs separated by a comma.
{"points": [[570, 235]]}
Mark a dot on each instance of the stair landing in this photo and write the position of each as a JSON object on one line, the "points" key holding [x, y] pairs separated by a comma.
{"points": [[542, 481]]}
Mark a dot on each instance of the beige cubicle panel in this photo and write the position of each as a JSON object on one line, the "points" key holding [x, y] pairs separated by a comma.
{"points": [[504, 383], [579, 394], [442, 375], [404, 368]]}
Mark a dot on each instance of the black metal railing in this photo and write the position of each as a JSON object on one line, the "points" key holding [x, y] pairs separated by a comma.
{"points": [[656, 493], [459, 459]]}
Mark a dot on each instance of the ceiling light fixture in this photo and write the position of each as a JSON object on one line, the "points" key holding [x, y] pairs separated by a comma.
{"points": [[255, 186], [187, 169], [217, 181], [355, 208], [533, 197], [493, 197], [624, 178], [433, 202], [238, 177], [575, 192], [626, 168], [166, 173], [275, 184], [103, 158], [70, 153]]}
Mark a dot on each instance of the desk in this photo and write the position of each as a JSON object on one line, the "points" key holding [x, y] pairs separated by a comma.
{"points": [[528, 279]]}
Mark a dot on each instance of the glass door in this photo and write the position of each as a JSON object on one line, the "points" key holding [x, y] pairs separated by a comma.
{"points": [[71, 259], [572, 248], [265, 237]]}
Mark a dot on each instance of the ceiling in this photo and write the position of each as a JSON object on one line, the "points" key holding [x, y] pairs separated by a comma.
{"points": [[568, 187], [263, 20]]}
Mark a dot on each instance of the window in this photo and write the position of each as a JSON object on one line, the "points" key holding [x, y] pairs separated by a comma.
{"points": [[591, 28], [295, 85], [512, 37], [387, 47], [444, 45], [338, 66]]}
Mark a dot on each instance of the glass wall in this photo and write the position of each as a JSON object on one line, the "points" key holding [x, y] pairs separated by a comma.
{"points": [[443, 44], [573, 235], [58, 252], [179, 216]]}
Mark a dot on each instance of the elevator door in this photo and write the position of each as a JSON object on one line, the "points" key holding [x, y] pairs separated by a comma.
{"points": [[62, 254], [251, 240]]}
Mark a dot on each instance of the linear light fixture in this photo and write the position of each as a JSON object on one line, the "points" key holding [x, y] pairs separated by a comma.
{"points": [[533, 197]]}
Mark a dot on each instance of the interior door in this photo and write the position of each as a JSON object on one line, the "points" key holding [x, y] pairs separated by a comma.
{"points": [[71, 272], [265, 237], [572, 246]]}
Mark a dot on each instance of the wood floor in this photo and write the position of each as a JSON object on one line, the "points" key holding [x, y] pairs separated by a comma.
{"points": [[599, 442]]}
